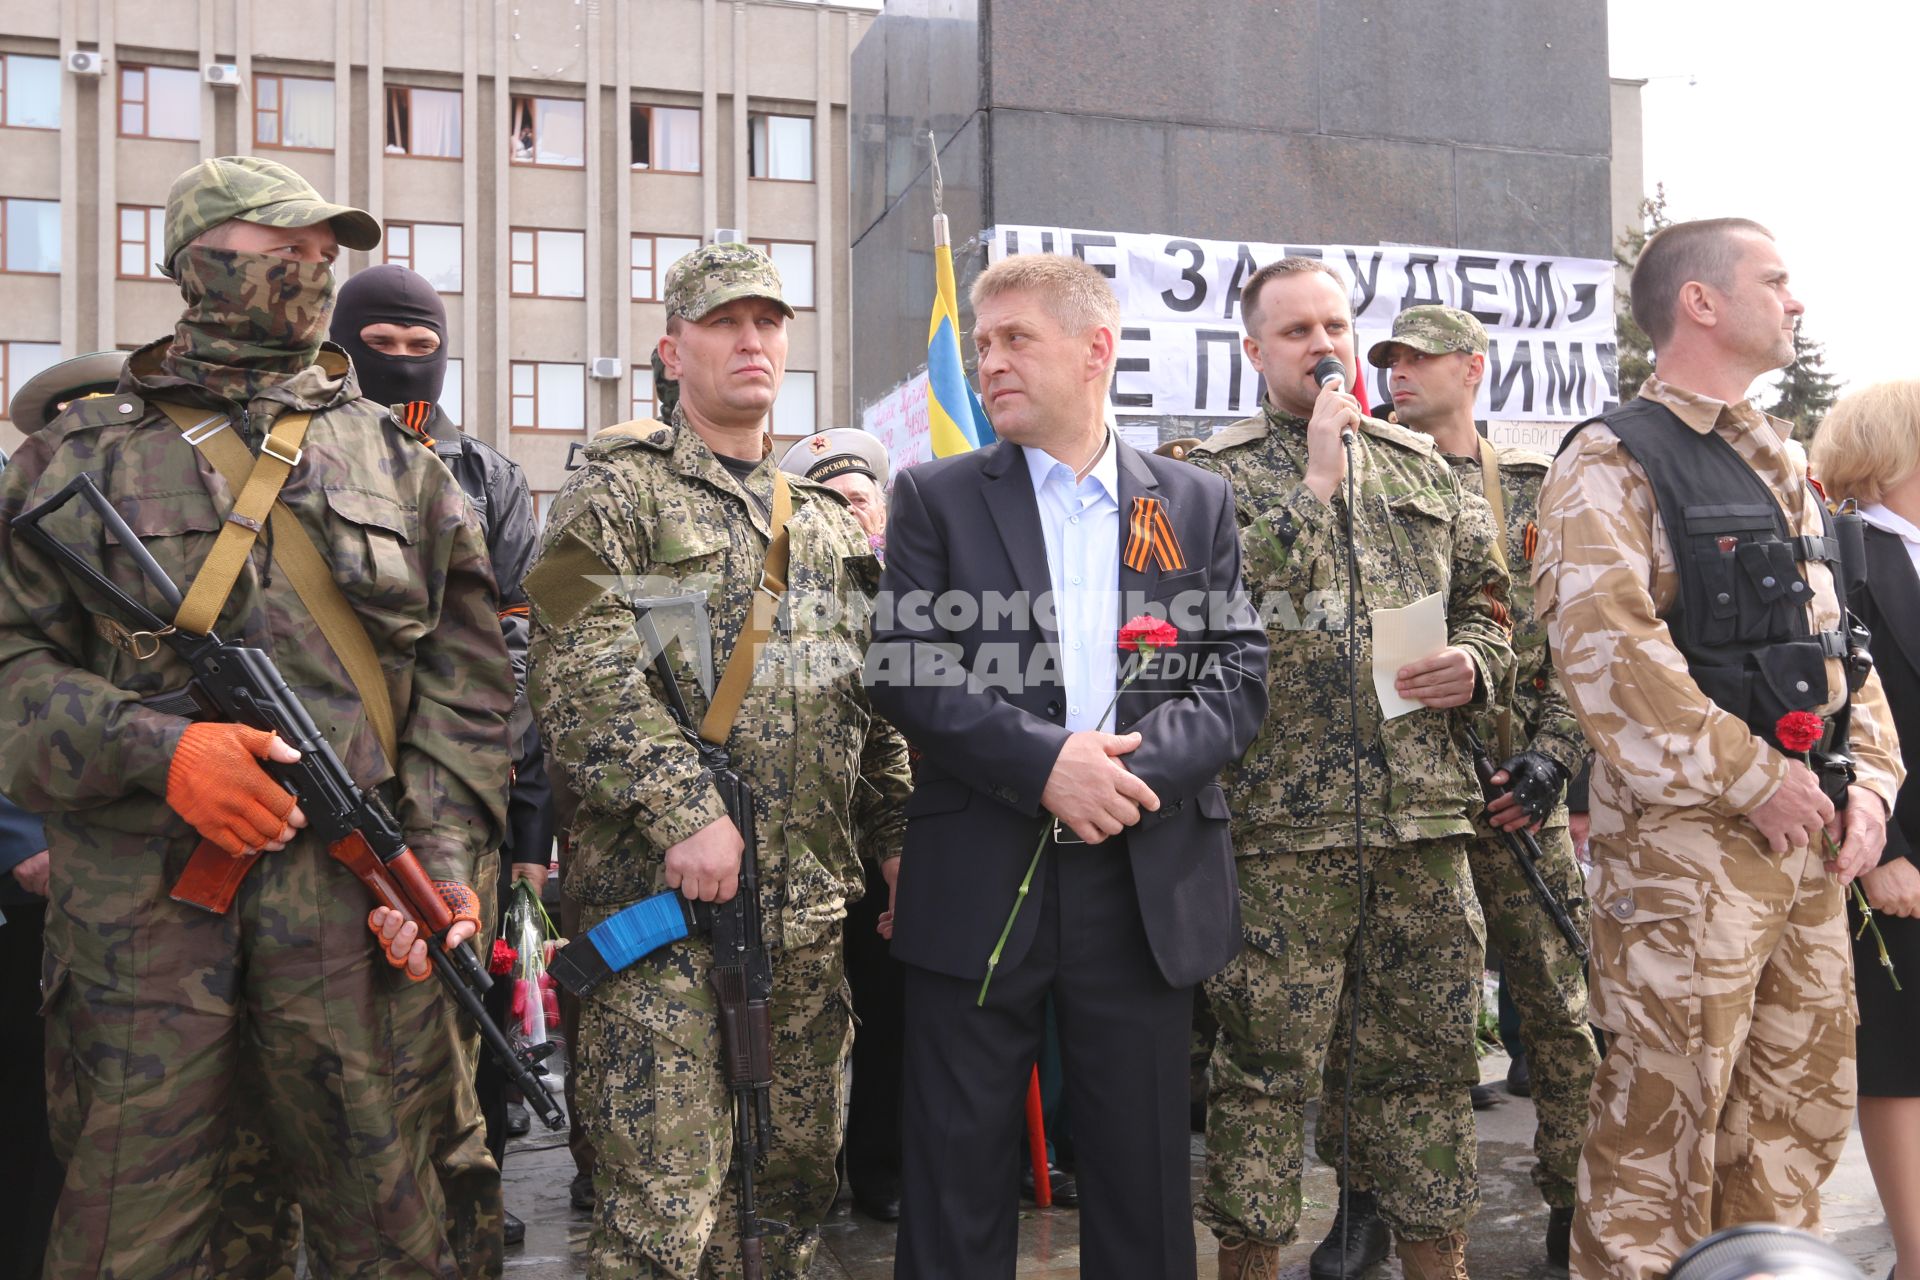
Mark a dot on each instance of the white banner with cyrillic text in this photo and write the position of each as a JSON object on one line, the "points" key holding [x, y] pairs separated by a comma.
{"points": [[1551, 346]]}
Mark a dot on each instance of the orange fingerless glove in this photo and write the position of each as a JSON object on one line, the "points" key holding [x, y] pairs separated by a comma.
{"points": [[216, 783], [461, 901]]}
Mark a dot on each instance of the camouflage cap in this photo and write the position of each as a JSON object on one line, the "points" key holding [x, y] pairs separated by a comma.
{"points": [[255, 190], [1433, 329], [716, 274], [837, 452]]}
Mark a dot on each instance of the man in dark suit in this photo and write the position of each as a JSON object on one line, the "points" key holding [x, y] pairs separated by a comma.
{"points": [[1009, 572]]}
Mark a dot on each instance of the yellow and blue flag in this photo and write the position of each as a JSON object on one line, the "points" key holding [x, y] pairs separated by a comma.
{"points": [[954, 416]]}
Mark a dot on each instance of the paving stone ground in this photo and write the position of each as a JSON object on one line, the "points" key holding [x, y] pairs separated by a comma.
{"points": [[1504, 1242]]}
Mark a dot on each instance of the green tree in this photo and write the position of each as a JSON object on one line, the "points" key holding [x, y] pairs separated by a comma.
{"points": [[1807, 390], [1635, 349]]}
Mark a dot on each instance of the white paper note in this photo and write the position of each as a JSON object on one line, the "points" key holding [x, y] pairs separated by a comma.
{"points": [[1401, 636]]}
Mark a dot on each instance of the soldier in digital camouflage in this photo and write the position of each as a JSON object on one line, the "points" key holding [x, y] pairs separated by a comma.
{"points": [[1415, 533], [162, 1017], [1687, 578], [1437, 359], [671, 508]]}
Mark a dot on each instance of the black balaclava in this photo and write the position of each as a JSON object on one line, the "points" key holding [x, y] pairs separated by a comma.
{"points": [[390, 294]]}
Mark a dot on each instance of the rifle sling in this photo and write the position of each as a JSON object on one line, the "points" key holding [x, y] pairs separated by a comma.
{"points": [[724, 707], [257, 482]]}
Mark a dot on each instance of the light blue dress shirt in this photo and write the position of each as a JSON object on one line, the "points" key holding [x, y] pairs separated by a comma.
{"points": [[1081, 525]]}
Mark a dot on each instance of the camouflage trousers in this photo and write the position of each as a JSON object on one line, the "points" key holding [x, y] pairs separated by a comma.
{"points": [[259, 1230], [654, 1102], [1548, 983], [1724, 976], [186, 1048], [1414, 972]]}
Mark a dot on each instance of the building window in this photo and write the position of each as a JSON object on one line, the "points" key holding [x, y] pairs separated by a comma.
{"points": [[793, 409], [423, 122], [543, 503], [143, 238], [30, 236], [452, 392], [666, 139], [431, 248], [780, 147], [29, 92], [293, 113], [642, 404], [159, 102], [549, 397], [650, 258], [549, 264], [20, 361], [794, 261], [550, 131]]}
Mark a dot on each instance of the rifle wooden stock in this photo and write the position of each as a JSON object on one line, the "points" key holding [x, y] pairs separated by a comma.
{"points": [[400, 884], [212, 877]]}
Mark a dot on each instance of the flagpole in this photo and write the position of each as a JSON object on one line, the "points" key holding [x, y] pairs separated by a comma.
{"points": [[956, 421], [942, 239]]}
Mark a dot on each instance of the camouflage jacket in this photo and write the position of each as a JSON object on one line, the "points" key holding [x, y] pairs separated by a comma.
{"points": [[660, 515], [1418, 533], [403, 545], [1541, 719], [1604, 580]]}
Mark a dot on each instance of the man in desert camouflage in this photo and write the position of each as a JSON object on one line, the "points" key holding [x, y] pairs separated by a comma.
{"points": [[163, 1018], [1437, 359], [671, 509], [1687, 580], [1415, 533]]}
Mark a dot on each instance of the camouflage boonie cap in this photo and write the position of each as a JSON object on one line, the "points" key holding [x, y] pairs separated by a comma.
{"points": [[1432, 329], [255, 190], [716, 274]]}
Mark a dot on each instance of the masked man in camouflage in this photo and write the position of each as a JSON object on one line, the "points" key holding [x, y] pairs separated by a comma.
{"points": [[1419, 958], [1688, 579], [675, 508], [1437, 359], [161, 1015]]}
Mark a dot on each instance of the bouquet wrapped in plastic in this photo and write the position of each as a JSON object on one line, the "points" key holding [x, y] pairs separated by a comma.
{"points": [[522, 953]]}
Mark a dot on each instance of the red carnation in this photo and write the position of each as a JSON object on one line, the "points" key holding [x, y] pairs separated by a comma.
{"points": [[1800, 731], [503, 958], [1146, 633]]}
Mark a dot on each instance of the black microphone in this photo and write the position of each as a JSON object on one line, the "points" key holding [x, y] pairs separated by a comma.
{"points": [[1330, 372]]}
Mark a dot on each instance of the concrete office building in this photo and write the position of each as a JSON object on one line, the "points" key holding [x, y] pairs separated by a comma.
{"points": [[1250, 120], [542, 161]]}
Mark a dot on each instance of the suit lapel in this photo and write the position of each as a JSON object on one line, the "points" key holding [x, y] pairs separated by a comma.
{"points": [[1016, 518], [1896, 591]]}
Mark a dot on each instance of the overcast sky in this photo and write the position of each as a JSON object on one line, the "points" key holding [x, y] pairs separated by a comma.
{"points": [[1803, 117]]}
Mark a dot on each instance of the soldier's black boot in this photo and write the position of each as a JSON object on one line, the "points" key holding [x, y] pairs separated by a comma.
{"points": [[1559, 1236], [1368, 1240]]}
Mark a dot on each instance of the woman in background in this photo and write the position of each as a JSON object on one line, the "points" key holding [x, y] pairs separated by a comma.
{"points": [[1868, 449]]}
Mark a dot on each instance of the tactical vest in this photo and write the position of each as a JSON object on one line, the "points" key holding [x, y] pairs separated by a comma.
{"points": [[1740, 614]]}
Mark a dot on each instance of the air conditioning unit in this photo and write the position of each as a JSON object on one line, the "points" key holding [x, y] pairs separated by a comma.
{"points": [[727, 235], [604, 367], [86, 62], [224, 74]]}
